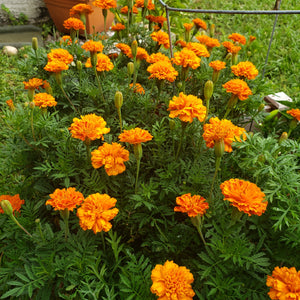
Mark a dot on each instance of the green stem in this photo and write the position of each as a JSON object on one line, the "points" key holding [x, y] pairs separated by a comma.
{"points": [[183, 126], [16, 221], [137, 175], [120, 119], [65, 216], [102, 239], [218, 162], [62, 89], [31, 123], [99, 84], [201, 235]]}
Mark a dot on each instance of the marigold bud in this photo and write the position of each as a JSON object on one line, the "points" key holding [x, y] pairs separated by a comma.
{"points": [[208, 89], [172, 124], [34, 43], [6, 206], [134, 47], [79, 65], [118, 99], [212, 30], [94, 59], [228, 56], [293, 124], [31, 104], [284, 136], [219, 148], [271, 115], [261, 107], [130, 68], [138, 151]]}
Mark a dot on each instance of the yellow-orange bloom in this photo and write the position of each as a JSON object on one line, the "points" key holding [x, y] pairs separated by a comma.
{"points": [[236, 37], [61, 55], [186, 58], [44, 100], [33, 83], [187, 107], [137, 89], [56, 66], [231, 48], [92, 46], [245, 196], [199, 49], [217, 65], [15, 202], [80, 9], [105, 4], [181, 43], [73, 23], [156, 19], [140, 3], [284, 283], [155, 57], [295, 112], [162, 38], [124, 10], [63, 199], [10, 104], [245, 69], [140, 54], [188, 26], [96, 212], [135, 136], [217, 130], [112, 156], [238, 87], [192, 205], [118, 27], [200, 23], [88, 128], [208, 41], [103, 63], [252, 38], [66, 39], [124, 48], [171, 281], [162, 70]]}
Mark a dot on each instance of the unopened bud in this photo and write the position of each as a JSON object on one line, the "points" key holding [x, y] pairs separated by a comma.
{"points": [[271, 115], [261, 107], [34, 43], [208, 89], [37, 221], [219, 148], [134, 47], [228, 56], [138, 151], [118, 99], [94, 59], [172, 124], [31, 104], [284, 136], [212, 30], [293, 124], [79, 65], [6, 206], [130, 68]]}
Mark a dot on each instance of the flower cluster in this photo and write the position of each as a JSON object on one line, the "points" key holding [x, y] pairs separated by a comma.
{"points": [[44, 100], [74, 23], [103, 63], [92, 46], [163, 70], [217, 65], [200, 23], [187, 59], [162, 38], [245, 69], [236, 37], [80, 9], [135, 136], [208, 41], [239, 88], [105, 4]]}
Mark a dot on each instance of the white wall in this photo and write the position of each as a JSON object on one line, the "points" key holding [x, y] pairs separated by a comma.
{"points": [[33, 9]]}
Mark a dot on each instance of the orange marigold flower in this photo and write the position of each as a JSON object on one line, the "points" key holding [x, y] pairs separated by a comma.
{"points": [[181, 43], [284, 283], [118, 27], [88, 127], [200, 23], [245, 69], [73, 23], [63, 199], [92, 46], [188, 26], [236, 37], [140, 3], [137, 89], [162, 38], [96, 212], [33, 83], [208, 41], [245, 196], [66, 39], [238, 87], [187, 107], [231, 48], [217, 65], [80, 9], [155, 57], [124, 10], [156, 19], [186, 58], [199, 49], [171, 281], [135, 136], [140, 54], [295, 112], [252, 38], [217, 130], [44, 100], [124, 48], [56, 66], [105, 4], [192, 205], [10, 104], [112, 157], [61, 55], [103, 63], [162, 70], [15, 202]]}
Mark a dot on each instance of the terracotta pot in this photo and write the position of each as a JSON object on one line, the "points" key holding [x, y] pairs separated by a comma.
{"points": [[59, 12]]}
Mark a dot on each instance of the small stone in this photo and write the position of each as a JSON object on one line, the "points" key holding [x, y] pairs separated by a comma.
{"points": [[10, 50]]}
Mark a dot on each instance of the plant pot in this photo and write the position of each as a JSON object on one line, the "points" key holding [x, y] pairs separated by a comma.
{"points": [[59, 11]]}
